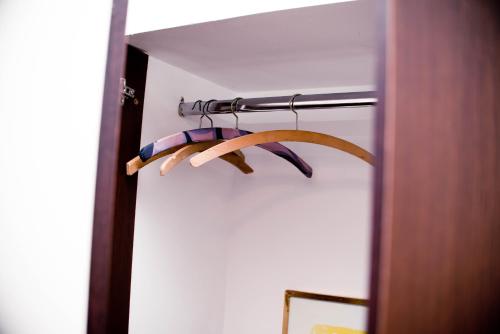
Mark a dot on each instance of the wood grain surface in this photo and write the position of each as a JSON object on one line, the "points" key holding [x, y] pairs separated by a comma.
{"points": [[114, 212], [236, 158], [279, 136], [438, 227]]}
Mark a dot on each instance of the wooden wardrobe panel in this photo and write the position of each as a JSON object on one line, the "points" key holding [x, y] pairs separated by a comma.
{"points": [[437, 233], [114, 214], [99, 310]]}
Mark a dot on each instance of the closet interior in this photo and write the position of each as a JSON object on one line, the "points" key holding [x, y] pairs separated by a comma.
{"points": [[239, 210]]}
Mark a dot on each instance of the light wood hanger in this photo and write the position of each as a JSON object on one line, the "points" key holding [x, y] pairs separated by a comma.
{"points": [[279, 136], [172, 143], [238, 162], [136, 163], [237, 159], [177, 141], [275, 136]]}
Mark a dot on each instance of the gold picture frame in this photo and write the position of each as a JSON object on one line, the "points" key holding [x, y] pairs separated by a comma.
{"points": [[289, 294]]}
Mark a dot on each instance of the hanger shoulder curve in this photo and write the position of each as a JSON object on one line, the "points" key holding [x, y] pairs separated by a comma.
{"points": [[264, 137], [238, 162], [165, 145], [136, 163], [235, 158]]}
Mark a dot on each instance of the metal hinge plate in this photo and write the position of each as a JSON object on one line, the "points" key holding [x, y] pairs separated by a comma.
{"points": [[125, 91]]}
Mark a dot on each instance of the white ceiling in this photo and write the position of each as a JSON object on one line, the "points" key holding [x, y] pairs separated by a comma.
{"points": [[147, 15], [322, 46]]}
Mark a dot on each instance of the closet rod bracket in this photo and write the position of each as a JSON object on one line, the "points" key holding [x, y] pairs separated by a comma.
{"points": [[179, 109]]}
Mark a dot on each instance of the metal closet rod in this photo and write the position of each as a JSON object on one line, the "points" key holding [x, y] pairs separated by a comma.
{"points": [[265, 104]]}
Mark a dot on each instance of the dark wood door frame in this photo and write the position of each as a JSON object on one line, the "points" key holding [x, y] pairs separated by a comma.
{"points": [[436, 241], [115, 196], [378, 194]]}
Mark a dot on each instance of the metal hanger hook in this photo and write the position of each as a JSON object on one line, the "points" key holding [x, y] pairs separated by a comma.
{"points": [[292, 108], [234, 106], [206, 112], [194, 104], [200, 109]]}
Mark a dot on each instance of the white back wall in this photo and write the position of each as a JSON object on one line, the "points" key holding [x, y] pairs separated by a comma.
{"points": [[52, 67], [289, 232], [215, 249], [179, 250]]}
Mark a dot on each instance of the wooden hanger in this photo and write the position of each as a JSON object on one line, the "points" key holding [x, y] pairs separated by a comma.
{"points": [[275, 136], [237, 159], [170, 144], [279, 136], [177, 141], [136, 163]]}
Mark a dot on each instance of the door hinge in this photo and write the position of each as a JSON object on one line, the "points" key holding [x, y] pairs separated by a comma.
{"points": [[125, 91]]}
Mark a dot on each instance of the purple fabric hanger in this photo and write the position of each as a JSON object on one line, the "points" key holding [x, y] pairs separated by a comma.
{"points": [[210, 134]]}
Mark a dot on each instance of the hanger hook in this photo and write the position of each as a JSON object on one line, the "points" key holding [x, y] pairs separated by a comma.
{"points": [[292, 108], [200, 109], [205, 111], [194, 104], [234, 106]]}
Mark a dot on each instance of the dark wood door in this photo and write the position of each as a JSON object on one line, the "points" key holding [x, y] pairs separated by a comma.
{"points": [[114, 213], [437, 212]]}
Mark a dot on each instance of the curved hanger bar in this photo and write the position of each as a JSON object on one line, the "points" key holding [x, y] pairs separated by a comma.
{"points": [[211, 134], [263, 137], [236, 158], [137, 163], [238, 162]]}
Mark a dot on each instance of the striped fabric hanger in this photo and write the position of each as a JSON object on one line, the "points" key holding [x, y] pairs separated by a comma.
{"points": [[174, 142]]}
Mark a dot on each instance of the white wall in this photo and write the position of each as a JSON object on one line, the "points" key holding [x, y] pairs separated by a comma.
{"points": [[289, 232], [178, 261], [51, 82], [214, 249]]}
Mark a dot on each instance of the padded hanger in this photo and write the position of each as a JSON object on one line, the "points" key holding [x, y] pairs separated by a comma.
{"points": [[237, 159], [187, 151], [261, 138], [172, 143]]}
